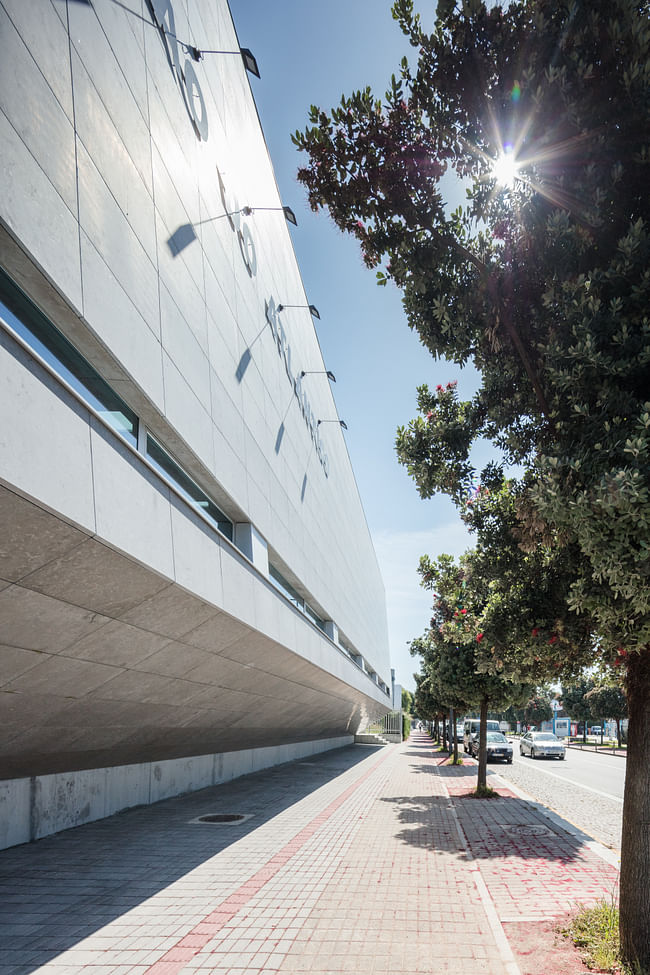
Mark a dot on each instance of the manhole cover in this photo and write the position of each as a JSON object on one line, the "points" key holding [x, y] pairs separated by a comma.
{"points": [[222, 819], [517, 829]]}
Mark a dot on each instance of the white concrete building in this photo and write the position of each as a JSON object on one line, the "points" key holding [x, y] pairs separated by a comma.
{"points": [[188, 588]]}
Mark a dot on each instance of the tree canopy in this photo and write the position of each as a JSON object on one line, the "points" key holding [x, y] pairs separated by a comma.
{"points": [[542, 281]]}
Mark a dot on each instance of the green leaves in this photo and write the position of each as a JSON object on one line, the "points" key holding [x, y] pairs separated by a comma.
{"points": [[545, 288]]}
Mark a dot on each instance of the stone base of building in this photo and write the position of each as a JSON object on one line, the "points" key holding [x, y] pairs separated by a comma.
{"points": [[31, 808]]}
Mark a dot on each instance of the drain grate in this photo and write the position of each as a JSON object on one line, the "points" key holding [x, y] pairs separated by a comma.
{"points": [[222, 819], [526, 829]]}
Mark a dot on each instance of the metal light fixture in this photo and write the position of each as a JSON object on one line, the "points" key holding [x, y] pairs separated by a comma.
{"points": [[184, 235], [341, 423], [247, 56], [195, 53], [319, 372], [312, 308]]}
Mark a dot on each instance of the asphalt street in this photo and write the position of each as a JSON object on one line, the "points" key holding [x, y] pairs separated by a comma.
{"points": [[599, 771]]}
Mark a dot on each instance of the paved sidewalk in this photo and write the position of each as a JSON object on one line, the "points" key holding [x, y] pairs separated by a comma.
{"points": [[367, 860]]}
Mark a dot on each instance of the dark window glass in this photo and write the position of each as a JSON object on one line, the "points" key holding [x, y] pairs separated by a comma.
{"points": [[314, 617], [161, 459], [285, 587], [45, 339]]}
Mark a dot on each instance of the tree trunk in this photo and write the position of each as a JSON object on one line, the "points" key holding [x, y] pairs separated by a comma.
{"points": [[482, 746], [635, 845], [452, 731]]}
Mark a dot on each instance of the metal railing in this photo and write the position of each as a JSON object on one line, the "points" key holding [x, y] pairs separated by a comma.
{"points": [[390, 724]]}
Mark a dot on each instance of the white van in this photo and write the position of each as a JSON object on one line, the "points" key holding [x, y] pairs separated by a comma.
{"points": [[472, 731]]}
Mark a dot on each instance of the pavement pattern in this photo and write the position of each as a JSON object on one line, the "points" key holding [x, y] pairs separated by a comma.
{"points": [[368, 860], [599, 815]]}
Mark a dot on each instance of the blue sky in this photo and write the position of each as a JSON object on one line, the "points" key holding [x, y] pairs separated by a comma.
{"points": [[312, 53]]}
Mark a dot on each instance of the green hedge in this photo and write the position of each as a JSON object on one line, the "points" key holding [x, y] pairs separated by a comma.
{"points": [[406, 726]]}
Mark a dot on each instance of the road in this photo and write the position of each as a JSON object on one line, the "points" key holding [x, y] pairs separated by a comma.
{"points": [[586, 789]]}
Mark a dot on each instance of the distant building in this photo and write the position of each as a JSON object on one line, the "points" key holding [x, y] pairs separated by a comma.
{"points": [[188, 588]]}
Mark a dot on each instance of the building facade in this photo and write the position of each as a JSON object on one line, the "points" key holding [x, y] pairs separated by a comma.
{"points": [[188, 588]]}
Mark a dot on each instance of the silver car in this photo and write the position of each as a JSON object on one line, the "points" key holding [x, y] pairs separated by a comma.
{"points": [[541, 744], [497, 745]]}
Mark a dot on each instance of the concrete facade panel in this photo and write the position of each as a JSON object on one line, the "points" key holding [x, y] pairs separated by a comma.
{"points": [[217, 633], [197, 556], [66, 800], [172, 612], [117, 644], [96, 580], [183, 407], [185, 350], [133, 507], [15, 662], [35, 621], [46, 38], [35, 113], [24, 525], [102, 141], [118, 323], [120, 85], [15, 795], [59, 675], [37, 215], [110, 232], [175, 659]]}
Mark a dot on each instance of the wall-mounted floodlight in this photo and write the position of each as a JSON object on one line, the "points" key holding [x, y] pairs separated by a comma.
{"points": [[312, 308], [319, 372], [246, 55], [196, 53], [341, 423], [184, 235]]}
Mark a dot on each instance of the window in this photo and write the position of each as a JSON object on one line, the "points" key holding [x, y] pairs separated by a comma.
{"points": [[314, 617], [191, 491], [45, 339], [287, 590]]}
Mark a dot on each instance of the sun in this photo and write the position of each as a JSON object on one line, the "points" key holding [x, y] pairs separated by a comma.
{"points": [[505, 168]]}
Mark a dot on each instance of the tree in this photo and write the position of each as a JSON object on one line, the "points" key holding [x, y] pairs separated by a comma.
{"points": [[426, 704], [535, 710], [542, 281], [407, 701], [607, 700], [450, 647], [575, 701]]}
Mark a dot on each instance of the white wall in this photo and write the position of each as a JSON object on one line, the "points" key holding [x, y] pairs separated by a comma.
{"points": [[33, 808], [101, 165]]}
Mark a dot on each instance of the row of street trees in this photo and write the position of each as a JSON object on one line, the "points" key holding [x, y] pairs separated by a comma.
{"points": [[542, 282], [589, 699]]}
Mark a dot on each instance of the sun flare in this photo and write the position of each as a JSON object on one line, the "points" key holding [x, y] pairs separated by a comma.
{"points": [[505, 169]]}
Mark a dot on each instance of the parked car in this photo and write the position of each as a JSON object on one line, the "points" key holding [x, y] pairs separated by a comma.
{"points": [[459, 733], [472, 729], [498, 747], [541, 744]]}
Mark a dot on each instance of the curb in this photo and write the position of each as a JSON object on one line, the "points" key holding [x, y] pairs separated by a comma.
{"points": [[605, 853]]}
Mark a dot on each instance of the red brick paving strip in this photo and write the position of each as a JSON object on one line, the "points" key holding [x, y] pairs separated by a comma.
{"points": [[184, 951]]}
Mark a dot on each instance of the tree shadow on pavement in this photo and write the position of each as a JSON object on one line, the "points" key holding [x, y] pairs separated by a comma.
{"points": [[492, 828]]}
